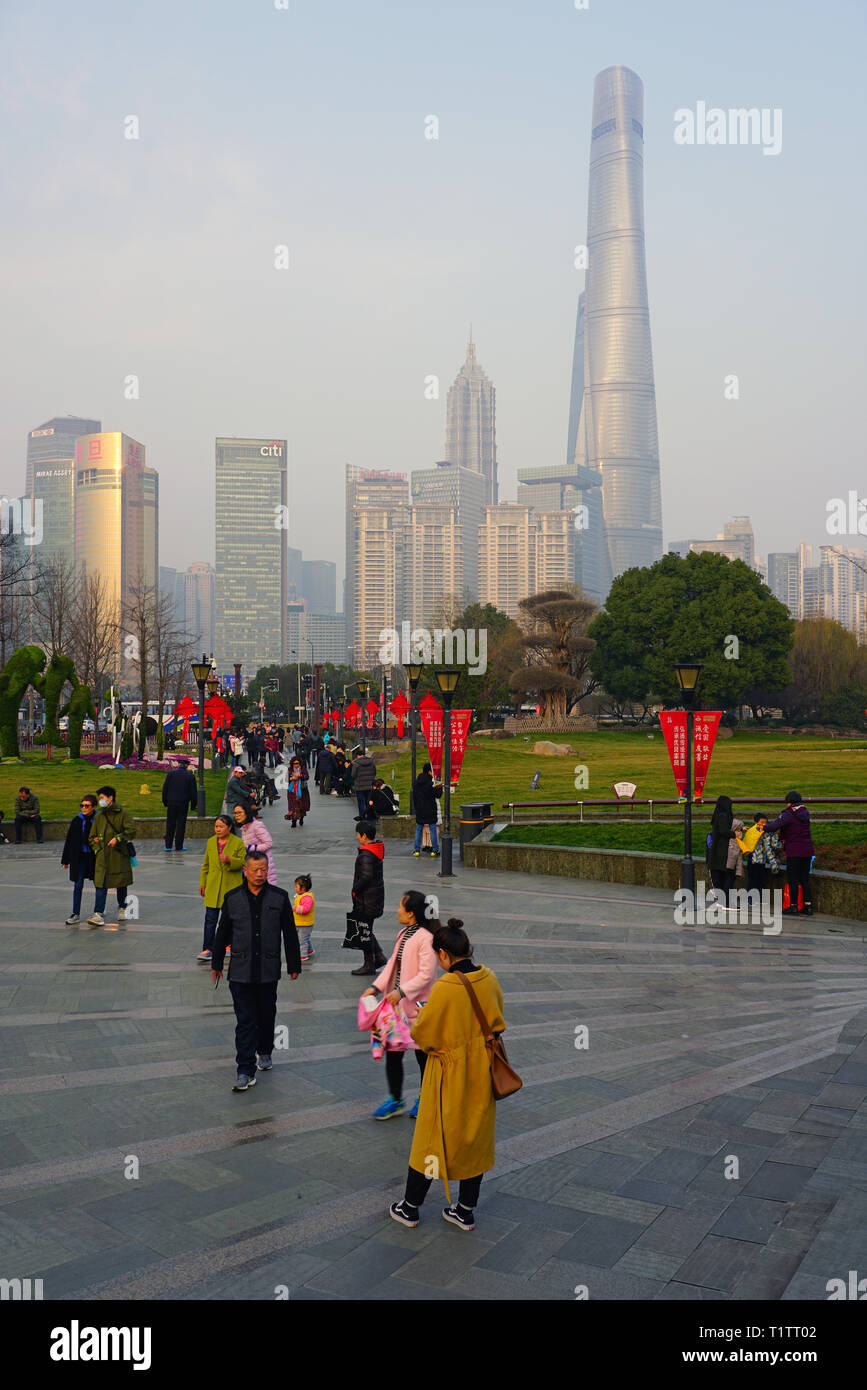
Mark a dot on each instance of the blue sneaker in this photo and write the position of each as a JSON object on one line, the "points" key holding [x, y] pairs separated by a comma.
{"points": [[389, 1109], [413, 1114]]}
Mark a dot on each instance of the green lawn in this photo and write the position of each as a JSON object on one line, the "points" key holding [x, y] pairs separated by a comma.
{"points": [[748, 764], [60, 784]]}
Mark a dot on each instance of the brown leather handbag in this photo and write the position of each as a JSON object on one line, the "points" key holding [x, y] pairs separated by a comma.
{"points": [[505, 1081]]}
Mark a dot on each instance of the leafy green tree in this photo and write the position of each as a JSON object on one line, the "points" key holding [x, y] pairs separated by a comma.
{"points": [[704, 606]]}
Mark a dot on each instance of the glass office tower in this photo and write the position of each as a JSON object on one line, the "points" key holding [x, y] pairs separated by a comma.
{"points": [[251, 579], [617, 433], [110, 512], [50, 477]]}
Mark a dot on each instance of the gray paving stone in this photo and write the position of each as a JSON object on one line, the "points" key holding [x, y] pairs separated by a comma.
{"points": [[718, 1263], [601, 1241], [361, 1268], [780, 1181], [523, 1250], [750, 1218]]}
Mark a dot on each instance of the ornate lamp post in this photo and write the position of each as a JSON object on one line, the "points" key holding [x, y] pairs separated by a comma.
{"points": [[341, 701], [447, 680], [688, 673], [363, 686], [201, 671], [413, 674]]}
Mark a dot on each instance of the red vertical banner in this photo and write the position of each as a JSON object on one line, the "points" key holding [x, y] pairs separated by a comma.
{"points": [[674, 732], [432, 728], [704, 737], [460, 729]]}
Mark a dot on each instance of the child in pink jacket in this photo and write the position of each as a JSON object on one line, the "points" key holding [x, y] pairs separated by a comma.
{"points": [[406, 980]]}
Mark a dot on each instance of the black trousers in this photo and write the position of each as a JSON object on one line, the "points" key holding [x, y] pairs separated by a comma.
{"points": [[176, 825], [756, 876], [417, 1187], [35, 821], [723, 881], [798, 876], [255, 1016], [394, 1071]]}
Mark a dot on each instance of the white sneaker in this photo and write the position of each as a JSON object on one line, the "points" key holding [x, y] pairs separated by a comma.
{"points": [[121, 916], [73, 920], [97, 920]]}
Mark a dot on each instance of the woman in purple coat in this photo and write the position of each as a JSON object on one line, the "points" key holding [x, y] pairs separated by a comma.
{"points": [[255, 836], [297, 795], [794, 828]]}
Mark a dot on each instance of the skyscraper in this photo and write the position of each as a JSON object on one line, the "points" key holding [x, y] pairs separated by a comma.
{"points": [[433, 564], [112, 502], [198, 614], [507, 556], [319, 586], [377, 506], [250, 584], [449, 485], [51, 478], [578, 490], [616, 432], [471, 425]]}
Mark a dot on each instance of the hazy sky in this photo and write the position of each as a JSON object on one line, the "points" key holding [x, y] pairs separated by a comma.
{"points": [[306, 127]]}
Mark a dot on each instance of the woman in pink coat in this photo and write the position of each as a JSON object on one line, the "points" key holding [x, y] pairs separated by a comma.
{"points": [[407, 979], [256, 836]]}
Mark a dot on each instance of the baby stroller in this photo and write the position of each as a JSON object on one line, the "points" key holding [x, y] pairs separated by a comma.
{"points": [[263, 785]]}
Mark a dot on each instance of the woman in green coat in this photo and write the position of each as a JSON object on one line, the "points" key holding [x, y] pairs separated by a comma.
{"points": [[111, 834], [221, 870]]}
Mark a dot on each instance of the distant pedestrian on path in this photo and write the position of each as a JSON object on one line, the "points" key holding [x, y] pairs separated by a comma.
{"points": [[368, 891], [794, 828], [721, 835], [455, 1129], [254, 919], [78, 855], [221, 872], [255, 835], [406, 981], [27, 813], [425, 794], [111, 836], [180, 795], [363, 776], [297, 794]]}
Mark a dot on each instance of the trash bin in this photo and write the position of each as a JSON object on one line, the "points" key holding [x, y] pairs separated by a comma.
{"points": [[474, 818]]}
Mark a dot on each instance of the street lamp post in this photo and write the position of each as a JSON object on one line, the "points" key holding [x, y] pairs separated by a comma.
{"points": [[384, 707], [447, 681], [341, 701], [688, 673], [201, 671], [413, 674], [363, 687]]}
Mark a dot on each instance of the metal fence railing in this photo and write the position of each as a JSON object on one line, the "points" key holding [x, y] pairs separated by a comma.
{"points": [[616, 809]]}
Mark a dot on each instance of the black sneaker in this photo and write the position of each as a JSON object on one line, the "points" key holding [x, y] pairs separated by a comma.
{"points": [[459, 1216], [264, 1063], [402, 1213], [244, 1082]]}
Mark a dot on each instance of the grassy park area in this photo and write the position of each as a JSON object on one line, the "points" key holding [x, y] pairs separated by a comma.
{"points": [[60, 784]]}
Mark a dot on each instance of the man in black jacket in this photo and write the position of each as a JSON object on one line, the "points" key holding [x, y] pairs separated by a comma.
{"points": [[425, 794], [254, 919], [180, 794], [368, 891]]}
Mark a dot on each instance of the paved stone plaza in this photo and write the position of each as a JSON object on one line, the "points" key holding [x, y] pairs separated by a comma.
{"points": [[704, 1044]]}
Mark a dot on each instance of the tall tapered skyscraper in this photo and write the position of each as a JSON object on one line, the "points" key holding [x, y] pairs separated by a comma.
{"points": [[616, 433], [471, 422]]}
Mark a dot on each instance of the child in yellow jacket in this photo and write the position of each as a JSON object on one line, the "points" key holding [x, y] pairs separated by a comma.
{"points": [[302, 909]]}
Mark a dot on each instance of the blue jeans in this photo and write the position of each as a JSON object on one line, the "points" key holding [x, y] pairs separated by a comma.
{"points": [[77, 890], [419, 830], [212, 917], [102, 894], [363, 808], [304, 941]]}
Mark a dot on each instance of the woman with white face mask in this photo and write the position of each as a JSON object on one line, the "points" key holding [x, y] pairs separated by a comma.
{"points": [[111, 836]]}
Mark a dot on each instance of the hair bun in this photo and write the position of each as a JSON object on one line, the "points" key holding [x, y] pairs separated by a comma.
{"points": [[456, 923]]}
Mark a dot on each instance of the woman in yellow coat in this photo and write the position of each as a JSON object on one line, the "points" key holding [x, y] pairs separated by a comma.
{"points": [[221, 870], [454, 1132]]}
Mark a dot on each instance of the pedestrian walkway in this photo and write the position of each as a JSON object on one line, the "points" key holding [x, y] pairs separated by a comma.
{"points": [[614, 1171]]}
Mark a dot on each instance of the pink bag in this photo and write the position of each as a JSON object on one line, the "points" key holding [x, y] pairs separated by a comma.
{"points": [[389, 1030]]}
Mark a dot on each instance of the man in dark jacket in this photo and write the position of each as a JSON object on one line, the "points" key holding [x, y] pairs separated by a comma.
{"points": [[425, 794], [27, 813], [368, 891], [363, 775], [325, 766], [794, 828], [77, 854], [239, 792], [380, 800], [180, 794], [254, 919]]}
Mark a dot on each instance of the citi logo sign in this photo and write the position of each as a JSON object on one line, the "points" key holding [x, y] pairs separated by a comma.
{"points": [[274, 450]]}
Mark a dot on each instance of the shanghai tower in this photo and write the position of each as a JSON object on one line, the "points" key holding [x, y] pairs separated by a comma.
{"points": [[616, 434]]}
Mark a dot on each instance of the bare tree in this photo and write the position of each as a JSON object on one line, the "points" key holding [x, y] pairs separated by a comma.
{"points": [[16, 562], [138, 620], [55, 601], [172, 652], [94, 633]]}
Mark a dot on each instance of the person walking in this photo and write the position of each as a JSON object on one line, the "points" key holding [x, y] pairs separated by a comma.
{"points": [[180, 795], [406, 981], [721, 834], [255, 836], [78, 855], [363, 774], [794, 829], [297, 794], [254, 920], [111, 835], [27, 813], [425, 794], [325, 768], [455, 1129], [225, 854], [303, 910], [368, 891], [236, 747]]}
